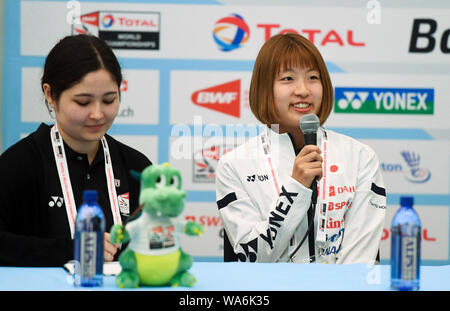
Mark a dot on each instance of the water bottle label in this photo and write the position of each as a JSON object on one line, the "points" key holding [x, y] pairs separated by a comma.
{"points": [[409, 258], [88, 254]]}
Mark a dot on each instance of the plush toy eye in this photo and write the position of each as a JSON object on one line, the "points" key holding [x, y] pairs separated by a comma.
{"points": [[174, 182], [161, 181]]}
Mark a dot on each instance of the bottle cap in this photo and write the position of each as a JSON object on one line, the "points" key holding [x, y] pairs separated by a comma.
{"points": [[406, 201], [90, 195]]}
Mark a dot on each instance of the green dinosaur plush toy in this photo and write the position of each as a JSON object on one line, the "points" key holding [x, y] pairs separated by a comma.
{"points": [[153, 256]]}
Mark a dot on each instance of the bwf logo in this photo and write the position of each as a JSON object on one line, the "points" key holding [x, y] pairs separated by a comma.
{"points": [[384, 100], [224, 98]]}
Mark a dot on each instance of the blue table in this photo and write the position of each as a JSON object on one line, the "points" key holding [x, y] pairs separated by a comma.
{"points": [[217, 276]]}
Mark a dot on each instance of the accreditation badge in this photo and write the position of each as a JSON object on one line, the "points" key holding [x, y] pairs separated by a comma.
{"points": [[124, 203]]}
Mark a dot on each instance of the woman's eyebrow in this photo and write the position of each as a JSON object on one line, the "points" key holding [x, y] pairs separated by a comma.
{"points": [[91, 95], [83, 95], [111, 93]]}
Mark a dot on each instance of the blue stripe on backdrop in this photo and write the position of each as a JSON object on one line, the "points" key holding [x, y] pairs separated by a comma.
{"points": [[385, 133], [391, 199], [208, 258], [187, 2], [359, 133], [201, 196], [420, 199], [188, 130]]}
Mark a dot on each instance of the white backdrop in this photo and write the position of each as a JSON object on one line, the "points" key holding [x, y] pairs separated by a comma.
{"points": [[187, 68]]}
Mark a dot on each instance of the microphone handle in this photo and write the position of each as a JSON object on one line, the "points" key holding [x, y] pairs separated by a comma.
{"points": [[310, 138], [314, 191]]}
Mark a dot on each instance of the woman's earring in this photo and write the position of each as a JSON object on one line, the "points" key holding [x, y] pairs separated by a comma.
{"points": [[51, 110]]}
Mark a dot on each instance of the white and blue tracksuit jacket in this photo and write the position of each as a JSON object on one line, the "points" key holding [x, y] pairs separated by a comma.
{"points": [[265, 211]]}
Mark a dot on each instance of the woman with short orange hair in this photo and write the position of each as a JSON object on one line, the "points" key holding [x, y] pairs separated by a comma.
{"points": [[263, 186]]}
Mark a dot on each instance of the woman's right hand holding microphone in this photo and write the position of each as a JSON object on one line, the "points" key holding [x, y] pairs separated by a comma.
{"points": [[308, 165]]}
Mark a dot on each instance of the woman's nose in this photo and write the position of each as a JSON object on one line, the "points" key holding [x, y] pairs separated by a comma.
{"points": [[301, 89], [96, 112]]}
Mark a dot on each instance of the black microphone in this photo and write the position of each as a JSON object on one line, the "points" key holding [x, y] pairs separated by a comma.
{"points": [[309, 124]]}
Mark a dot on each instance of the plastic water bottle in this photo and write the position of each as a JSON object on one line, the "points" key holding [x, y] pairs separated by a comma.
{"points": [[405, 247], [89, 238]]}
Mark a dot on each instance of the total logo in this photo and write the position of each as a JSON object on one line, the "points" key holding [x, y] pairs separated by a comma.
{"points": [[231, 32], [126, 19], [107, 20], [384, 100], [316, 36], [122, 30], [415, 173], [224, 98], [92, 22]]}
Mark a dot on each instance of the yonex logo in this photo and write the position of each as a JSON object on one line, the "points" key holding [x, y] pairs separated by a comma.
{"points": [[353, 99], [256, 177], [384, 100], [56, 201]]}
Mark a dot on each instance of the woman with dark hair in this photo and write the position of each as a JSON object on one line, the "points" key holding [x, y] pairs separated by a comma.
{"points": [[43, 175], [263, 186]]}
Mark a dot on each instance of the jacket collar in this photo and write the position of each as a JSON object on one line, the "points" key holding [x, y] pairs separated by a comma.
{"points": [[42, 138], [286, 142]]}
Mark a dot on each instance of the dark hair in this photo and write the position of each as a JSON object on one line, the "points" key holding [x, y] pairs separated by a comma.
{"points": [[75, 56]]}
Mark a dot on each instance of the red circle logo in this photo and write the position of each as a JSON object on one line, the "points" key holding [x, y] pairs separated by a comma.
{"points": [[334, 168]]}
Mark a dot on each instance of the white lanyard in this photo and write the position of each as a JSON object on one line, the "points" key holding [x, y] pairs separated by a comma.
{"points": [[322, 199], [265, 141], [64, 178], [322, 195]]}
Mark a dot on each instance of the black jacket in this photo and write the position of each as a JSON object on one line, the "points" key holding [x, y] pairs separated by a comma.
{"points": [[34, 229]]}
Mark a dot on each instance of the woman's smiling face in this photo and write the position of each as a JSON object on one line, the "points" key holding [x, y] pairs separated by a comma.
{"points": [[297, 92]]}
